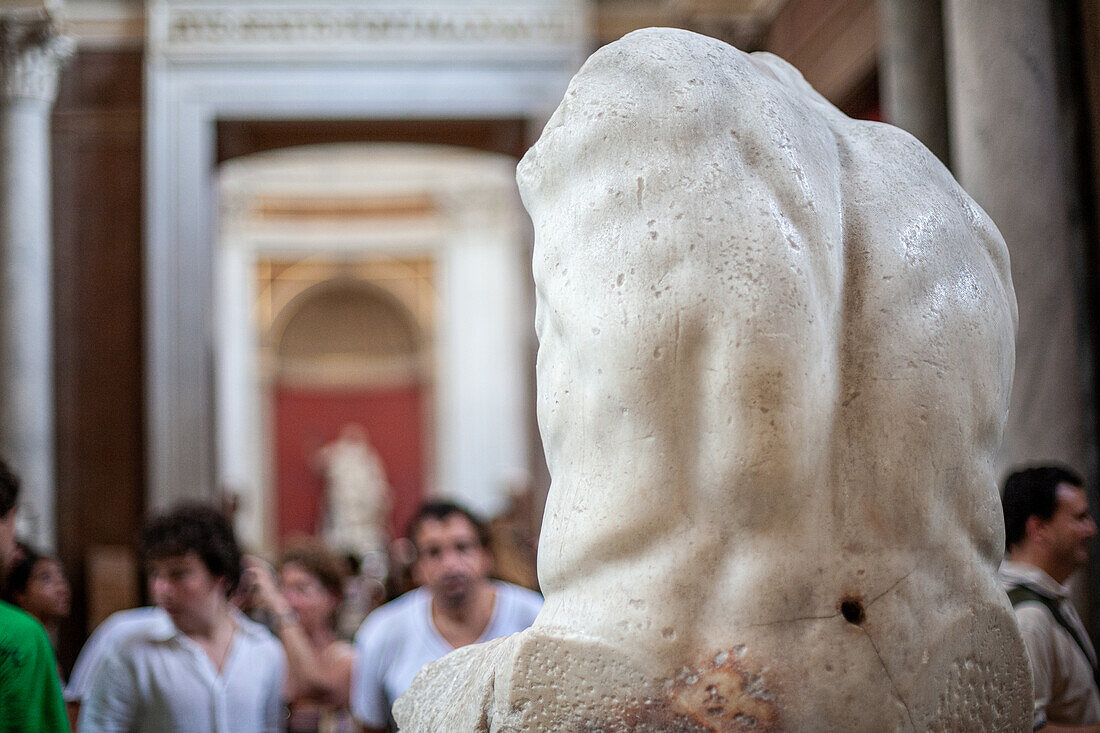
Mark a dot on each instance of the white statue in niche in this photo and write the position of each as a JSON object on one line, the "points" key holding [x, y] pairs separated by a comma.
{"points": [[776, 350], [357, 497]]}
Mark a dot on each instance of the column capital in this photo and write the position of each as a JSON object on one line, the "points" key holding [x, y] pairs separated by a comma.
{"points": [[32, 51]]}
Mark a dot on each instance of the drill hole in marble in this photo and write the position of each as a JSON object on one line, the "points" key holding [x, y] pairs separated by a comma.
{"points": [[852, 611]]}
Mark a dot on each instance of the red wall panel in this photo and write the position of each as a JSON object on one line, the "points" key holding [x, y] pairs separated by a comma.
{"points": [[308, 418]]}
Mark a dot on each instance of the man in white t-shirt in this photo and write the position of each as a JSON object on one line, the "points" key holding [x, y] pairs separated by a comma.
{"points": [[200, 666], [456, 605]]}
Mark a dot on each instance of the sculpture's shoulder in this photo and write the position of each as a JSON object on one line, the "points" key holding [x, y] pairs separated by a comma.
{"points": [[456, 691]]}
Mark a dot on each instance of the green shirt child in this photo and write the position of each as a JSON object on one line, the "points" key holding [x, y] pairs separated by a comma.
{"points": [[30, 691]]}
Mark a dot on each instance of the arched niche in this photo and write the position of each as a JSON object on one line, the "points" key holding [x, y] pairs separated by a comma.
{"points": [[430, 239], [344, 352], [345, 322]]}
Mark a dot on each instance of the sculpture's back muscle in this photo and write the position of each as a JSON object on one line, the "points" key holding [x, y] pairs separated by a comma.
{"points": [[776, 349]]}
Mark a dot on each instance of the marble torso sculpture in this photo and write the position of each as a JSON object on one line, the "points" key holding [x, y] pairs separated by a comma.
{"points": [[356, 494], [776, 348]]}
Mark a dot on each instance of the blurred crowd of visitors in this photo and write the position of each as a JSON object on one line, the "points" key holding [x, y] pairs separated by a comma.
{"points": [[235, 644]]}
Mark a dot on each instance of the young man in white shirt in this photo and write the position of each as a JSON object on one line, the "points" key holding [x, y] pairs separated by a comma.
{"points": [[456, 604], [114, 630], [201, 666]]}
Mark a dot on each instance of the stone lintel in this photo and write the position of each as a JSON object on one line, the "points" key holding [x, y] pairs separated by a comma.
{"points": [[323, 30]]}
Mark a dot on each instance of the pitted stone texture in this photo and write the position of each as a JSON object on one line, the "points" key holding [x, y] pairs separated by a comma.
{"points": [[776, 348]]}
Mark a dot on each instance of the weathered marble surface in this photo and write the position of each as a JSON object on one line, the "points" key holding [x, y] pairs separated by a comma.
{"points": [[776, 349]]}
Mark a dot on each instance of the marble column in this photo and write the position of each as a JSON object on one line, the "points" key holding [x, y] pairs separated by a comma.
{"points": [[31, 52], [911, 71], [1012, 156]]}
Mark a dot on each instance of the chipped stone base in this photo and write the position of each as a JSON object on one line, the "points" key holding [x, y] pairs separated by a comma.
{"points": [[555, 680]]}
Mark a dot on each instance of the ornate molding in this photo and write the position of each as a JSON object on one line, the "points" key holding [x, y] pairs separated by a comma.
{"points": [[388, 30], [32, 53], [742, 23]]}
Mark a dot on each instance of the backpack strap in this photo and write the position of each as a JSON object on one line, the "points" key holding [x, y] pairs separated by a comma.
{"points": [[1020, 593]]}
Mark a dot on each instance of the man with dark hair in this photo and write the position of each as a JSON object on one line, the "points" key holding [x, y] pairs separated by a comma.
{"points": [[30, 691], [202, 665], [441, 510], [1048, 530], [456, 605]]}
